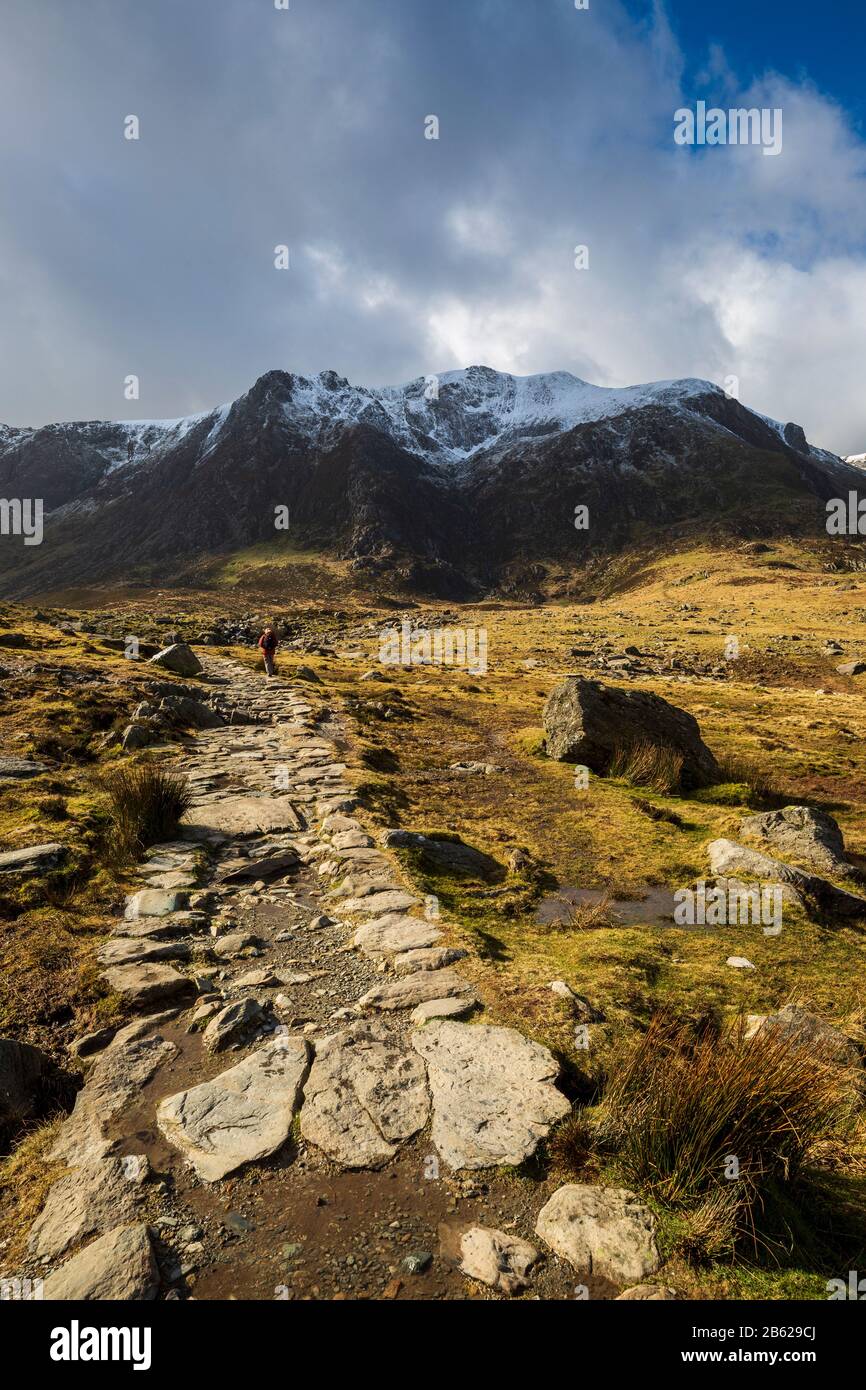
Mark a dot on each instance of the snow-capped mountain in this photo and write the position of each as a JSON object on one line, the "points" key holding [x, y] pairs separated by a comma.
{"points": [[451, 417], [451, 481]]}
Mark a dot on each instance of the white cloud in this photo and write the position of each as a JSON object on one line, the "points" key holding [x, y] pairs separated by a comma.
{"points": [[411, 256]]}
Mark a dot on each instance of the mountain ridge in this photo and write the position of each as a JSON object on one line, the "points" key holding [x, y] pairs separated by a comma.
{"points": [[454, 483]]}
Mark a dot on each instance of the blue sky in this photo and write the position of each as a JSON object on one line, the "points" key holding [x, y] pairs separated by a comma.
{"points": [[822, 42], [306, 127]]}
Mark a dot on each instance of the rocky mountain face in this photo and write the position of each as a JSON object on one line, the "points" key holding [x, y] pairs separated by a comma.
{"points": [[454, 485]]}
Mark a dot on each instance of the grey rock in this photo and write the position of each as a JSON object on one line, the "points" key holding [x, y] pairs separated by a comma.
{"points": [[601, 1231], [429, 958], [35, 859], [586, 722], [89, 1043], [119, 1266], [445, 855], [192, 713], [366, 1093], [130, 950], [439, 1008], [493, 1094], [136, 735], [241, 815], [375, 903], [269, 866], [417, 1262], [117, 1075], [807, 1030], [88, 1200], [231, 1023], [393, 933], [145, 984], [811, 837], [233, 944], [497, 1259], [16, 769], [154, 902], [851, 668], [243, 1114], [736, 862], [416, 989], [257, 979], [178, 658]]}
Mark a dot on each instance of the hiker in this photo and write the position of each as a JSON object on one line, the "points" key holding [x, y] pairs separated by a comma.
{"points": [[268, 643], [130, 449]]}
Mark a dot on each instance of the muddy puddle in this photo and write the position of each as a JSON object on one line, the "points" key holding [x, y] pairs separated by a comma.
{"points": [[653, 907]]}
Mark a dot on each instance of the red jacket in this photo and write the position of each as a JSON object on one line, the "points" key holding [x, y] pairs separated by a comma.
{"points": [[269, 642]]}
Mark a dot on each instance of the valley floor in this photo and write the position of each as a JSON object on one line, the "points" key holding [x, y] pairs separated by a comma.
{"points": [[747, 640]]}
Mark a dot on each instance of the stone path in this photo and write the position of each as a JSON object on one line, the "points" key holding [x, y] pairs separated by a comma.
{"points": [[297, 1020]]}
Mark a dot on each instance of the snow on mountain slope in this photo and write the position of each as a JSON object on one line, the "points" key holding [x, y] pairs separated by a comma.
{"points": [[449, 417], [446, 419]]}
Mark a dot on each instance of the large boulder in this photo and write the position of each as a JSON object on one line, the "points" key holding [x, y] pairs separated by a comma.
{"points": [[602, 1231], [809, 837], [178, 658], [586, 722]]}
